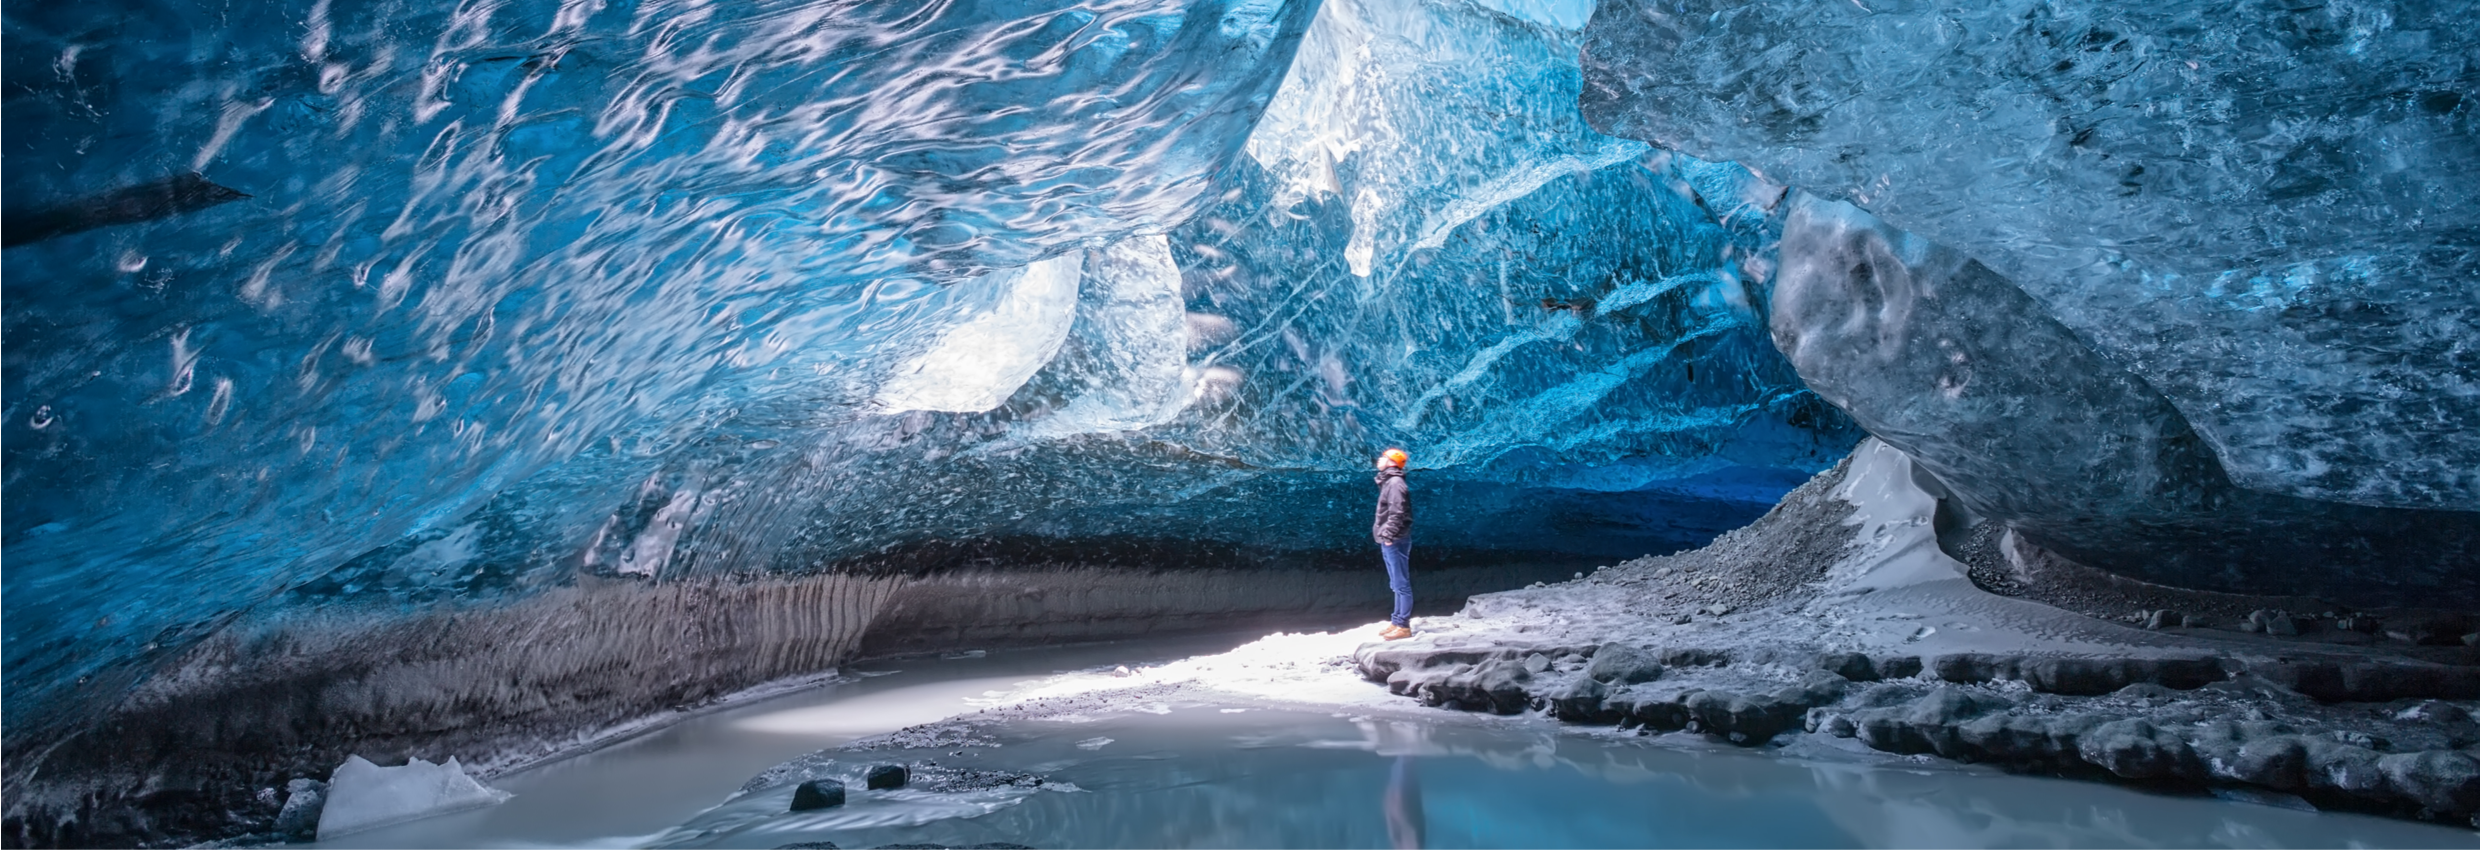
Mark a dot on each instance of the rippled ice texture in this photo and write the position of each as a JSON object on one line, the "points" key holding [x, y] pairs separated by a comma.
{"points": [[525, 293], [484, 237], [2265, 210]]}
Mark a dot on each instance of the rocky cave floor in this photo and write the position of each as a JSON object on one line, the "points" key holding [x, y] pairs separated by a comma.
{"points": [[1837, 622]]}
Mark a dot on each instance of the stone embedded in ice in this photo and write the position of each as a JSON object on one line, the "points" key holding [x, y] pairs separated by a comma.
{"points": [[362, 795], [2263, 210]]}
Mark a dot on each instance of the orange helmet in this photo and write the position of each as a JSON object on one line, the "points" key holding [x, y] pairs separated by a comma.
{"points": [[1395, 456]]}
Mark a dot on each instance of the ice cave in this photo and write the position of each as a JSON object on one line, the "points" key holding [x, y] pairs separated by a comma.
{"points": [[814, 423]]}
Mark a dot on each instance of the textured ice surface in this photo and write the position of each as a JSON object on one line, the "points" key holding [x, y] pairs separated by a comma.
{"points": [[2264, 210], [525, 296], [1938, 355], [361, 795], [482, 239]]}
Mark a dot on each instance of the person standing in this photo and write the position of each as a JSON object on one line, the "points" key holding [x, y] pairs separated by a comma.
{"points": [[1393, 531]]}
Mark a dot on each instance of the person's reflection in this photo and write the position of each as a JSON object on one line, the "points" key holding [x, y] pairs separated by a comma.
{"points": [[1403, 805]]}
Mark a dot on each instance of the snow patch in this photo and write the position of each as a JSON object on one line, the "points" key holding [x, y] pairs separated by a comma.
{"points": [[1898, 536]]}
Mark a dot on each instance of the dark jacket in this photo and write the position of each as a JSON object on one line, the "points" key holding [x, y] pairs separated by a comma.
{"points": [[1394, 523]]}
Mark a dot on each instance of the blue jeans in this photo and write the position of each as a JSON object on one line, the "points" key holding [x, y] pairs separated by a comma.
{"points": [[1398, 557]]}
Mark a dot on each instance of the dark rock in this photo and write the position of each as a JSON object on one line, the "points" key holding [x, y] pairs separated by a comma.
{"points": [[2358, 738], [1969, 668], [2136, 749], [1746, 719], [1658, 713], [1682, 619], [1849, 665], [2328, 681], [1927, 724], [2194, 621], [1715, 610], [2273, 761], [1620, 663], [2429, 630], [2360, 623], [1898, 667], [303, 800], [2443, 780], [2094, 676], [2144, 690], [1584, 702], [2435, 712], [1824, 722], [2341, 767], [1378, 662], [885, 776], [1496, 685], [817, 794], [2273, 623], [2163, 619], [1691, 657], [2035, 739]]}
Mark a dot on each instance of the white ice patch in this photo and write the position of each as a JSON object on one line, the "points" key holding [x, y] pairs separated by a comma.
{"points": [[1362, 103], [1518, 183], [1898, 535], [362, 795], [440, 558], [1314, 668], [1314, 119], [976, 365], [1133, 327]]}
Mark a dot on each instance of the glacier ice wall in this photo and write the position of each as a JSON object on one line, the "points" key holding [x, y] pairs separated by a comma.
{"points": [[2266, 211], [507, 299], [1573, 345], [2022, 422], [482, 238]]}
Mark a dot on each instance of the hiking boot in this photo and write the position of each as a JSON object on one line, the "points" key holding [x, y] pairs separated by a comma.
{"points": [[1395, 633]]}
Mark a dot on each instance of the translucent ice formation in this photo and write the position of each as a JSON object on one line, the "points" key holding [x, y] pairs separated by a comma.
{"points": [[478, 240], [467, 303], [2024, 423], [362, 795], [2263, 210]]}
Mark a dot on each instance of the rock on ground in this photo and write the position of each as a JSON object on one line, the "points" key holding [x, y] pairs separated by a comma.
{"points": [[1840, 614]]}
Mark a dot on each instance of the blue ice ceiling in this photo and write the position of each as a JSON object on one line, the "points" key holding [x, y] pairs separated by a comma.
{"points": [[342, 304]]}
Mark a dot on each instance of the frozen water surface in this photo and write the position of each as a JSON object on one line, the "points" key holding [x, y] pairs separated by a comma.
{"points": [[1241, 772]]}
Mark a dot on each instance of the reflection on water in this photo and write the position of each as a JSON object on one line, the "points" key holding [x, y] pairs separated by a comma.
{"points": [[1403, 806], [1202, 776]]}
